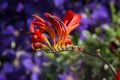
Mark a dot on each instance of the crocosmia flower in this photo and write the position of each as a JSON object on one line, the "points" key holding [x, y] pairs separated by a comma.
{"points": [[55, 28]]}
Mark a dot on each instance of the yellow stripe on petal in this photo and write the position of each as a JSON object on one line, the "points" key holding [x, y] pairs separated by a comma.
{"points": [[65, 37], [47, 29], [44, 38], [52, 33], [56, 23]]}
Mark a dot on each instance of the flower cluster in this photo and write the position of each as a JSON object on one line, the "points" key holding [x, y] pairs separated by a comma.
{"points": [[57, 28], [99, 28]]}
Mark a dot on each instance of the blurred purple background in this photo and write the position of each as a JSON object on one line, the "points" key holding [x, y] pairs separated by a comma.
{"points": [[17, 60]]}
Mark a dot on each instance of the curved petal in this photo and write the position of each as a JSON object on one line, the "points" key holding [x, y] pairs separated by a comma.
{"points": [[32, 26], [39, 18], [40, 38], [58, 24], [71, 20], [40, 23], [48, 29], [68, 17], [38, 45], [34, 20], [74, 22], [44, 38]]}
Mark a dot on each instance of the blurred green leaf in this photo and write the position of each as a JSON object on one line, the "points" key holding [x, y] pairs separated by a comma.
{"points": [[50, 55]]}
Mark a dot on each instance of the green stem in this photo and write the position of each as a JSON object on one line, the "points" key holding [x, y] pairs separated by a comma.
{"points": [[103, 59], [110, 66]]}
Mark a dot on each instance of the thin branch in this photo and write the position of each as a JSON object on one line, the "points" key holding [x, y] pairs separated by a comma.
{"points": [[103, 59]]}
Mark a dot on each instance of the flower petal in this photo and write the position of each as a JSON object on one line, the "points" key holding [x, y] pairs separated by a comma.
{"points": [[68, 41], [74, 22], [71, 20], [38, 45], [48, 29], [44, 38], [68, 17], [39, 37], [59, 26], [32, 26], [39, 19]]}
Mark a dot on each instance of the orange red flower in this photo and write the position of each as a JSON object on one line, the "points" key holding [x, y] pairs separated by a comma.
{"points": [[57, 29]]}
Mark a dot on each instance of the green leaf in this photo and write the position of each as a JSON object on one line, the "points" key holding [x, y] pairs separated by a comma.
{"points": [[86, 33], [118, 31], [50, 55]]}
